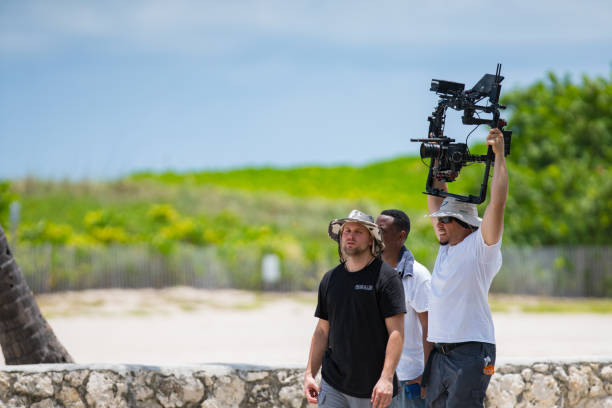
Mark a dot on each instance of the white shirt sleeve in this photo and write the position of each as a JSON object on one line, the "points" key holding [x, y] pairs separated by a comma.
{"points": [[421, 290], [489, 256], [487, 253]]}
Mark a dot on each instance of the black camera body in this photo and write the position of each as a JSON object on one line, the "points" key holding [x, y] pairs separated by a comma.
{"points": [[448, 157]]}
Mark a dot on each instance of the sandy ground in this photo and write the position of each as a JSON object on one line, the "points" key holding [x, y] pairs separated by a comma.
{"points": [[182, 325]]}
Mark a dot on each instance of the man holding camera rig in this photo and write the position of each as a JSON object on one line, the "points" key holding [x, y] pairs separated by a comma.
{"points": [[460, 366]]}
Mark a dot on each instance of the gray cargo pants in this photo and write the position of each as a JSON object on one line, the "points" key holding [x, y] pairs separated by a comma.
{"points": [[456, 377], [329, 397]]}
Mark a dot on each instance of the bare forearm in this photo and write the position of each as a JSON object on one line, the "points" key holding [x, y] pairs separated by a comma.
{"points": [[392, 354], [434, 202], [315, 357], [317, 350], [383, 390], [493, 220], [427, 346], [499, 185]]}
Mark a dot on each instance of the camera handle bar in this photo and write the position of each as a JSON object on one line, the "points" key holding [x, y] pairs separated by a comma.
{"points": [[492, 85]]}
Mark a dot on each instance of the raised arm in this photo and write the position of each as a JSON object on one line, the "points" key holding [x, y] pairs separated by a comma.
{"points": [[315, 359], [434, 202], [493, 220], [383, 390]]}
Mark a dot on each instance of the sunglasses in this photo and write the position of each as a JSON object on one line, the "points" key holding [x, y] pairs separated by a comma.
{"points": [[446, 220]]}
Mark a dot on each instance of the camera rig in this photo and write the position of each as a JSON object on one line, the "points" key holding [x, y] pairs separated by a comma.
{"points": [[447, 157]]}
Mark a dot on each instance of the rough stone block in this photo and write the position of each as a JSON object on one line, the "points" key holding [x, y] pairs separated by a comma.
{"points": [[169, 392], [594, 366], [596, 386], [46, 403], [543, 392], [35, 385], [228, 391], [583, 385], [5, 385], [504, 389], [506, 369], [540, 368], [210, 403], [578, 384], [259, 394], [70, 397], [256, 376], [560, 374], [208, 380], [527, 373], [77, 377], [289, 377], [104, 390], [17, 402], [606, 373], [57, 378], [291, 396], [193, 390], [598, 403], [141, 392]]}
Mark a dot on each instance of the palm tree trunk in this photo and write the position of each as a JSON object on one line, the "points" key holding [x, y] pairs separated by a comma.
{"points": [[25, 335]]}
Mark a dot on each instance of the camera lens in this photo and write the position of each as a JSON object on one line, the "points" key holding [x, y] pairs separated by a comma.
{"points": [[429, 150], [457, 157]]}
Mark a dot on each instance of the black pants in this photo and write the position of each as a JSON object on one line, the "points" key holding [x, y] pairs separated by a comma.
{"points": [[456, 377]]}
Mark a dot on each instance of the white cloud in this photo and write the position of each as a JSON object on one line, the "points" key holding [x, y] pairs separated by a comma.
{"points": [[219, 26]]}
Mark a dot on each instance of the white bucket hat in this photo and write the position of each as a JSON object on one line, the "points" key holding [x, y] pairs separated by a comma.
{"points": [[335, 227], [466, 212]]}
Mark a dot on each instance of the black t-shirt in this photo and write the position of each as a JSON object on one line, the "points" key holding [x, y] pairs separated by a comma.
{"points": [[356, 305]]}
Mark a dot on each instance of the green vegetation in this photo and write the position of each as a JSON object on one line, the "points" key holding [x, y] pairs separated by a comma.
{"points": [[560, 194], [6, 196], [561, 184], [241, 225]]}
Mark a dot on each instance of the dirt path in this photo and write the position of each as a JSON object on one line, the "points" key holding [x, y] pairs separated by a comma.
{"points": [[184, 325]]}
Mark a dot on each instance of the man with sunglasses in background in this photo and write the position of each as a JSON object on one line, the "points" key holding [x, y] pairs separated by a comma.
{"points": [[460, 325]]}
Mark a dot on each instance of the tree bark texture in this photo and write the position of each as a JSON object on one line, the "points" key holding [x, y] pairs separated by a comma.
{"points": [[25, 335]]}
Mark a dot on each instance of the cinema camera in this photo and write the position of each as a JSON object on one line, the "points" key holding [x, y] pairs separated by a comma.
{"points": [[447, 157]]}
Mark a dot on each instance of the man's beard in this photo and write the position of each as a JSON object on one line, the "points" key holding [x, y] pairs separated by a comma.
{"points": [[443, 242], [354, 251]]}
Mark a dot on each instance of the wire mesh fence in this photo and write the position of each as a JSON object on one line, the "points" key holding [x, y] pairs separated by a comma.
{"points": [[556, 271], [550, 271]]}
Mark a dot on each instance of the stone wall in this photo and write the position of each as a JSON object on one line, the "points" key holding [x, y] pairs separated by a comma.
{"points": [[561, 384]]}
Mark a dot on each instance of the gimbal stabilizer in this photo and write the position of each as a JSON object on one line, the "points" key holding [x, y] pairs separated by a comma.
{"points": [[447, 158]]}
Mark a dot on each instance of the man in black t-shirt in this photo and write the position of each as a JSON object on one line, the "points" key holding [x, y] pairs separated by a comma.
{"points": [[359, 336]]}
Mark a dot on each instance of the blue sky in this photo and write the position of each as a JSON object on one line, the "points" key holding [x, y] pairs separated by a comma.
{"points": [[99, 89]]}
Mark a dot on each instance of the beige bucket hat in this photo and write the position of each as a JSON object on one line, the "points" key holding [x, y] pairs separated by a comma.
{"points": [[466, 212], [335, 227]]}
